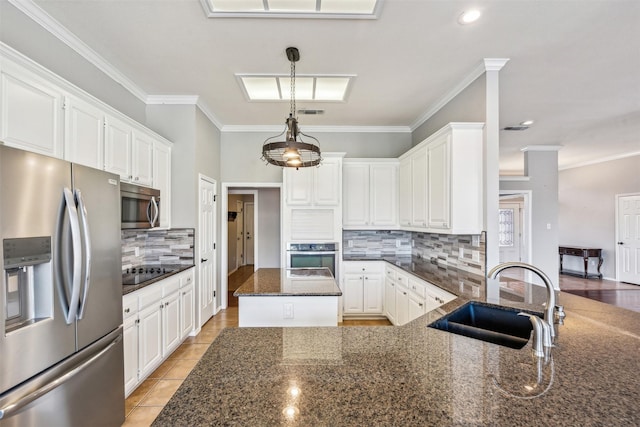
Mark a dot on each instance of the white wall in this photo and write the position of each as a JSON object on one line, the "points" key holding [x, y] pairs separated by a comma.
{"points": [[586, 215], [24, 35], [242, 151], [269, 227], [542, 169]]}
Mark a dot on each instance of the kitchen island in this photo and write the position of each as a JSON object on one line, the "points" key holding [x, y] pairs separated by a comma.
{"points": [[289, 297], [416, 375]]}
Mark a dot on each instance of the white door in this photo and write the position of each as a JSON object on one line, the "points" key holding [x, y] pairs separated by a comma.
{"points": [[628, 239], [207, 238], [249, 233], [509, 231], [239, 234]]}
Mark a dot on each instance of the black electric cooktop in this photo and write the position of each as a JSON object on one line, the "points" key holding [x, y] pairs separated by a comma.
{"points": [[143, 273]]}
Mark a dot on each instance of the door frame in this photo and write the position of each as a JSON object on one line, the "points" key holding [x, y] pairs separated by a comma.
{"points": [[216, 307], [240, 188], [617, 230], [244, 234], [526, 240]]}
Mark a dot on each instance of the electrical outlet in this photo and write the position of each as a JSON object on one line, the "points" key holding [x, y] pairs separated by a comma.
{"points": [[288, 311], [137, 251], [475, 240], [475, 256]]}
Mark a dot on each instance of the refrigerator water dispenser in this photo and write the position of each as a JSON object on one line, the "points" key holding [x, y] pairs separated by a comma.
{"points": [[28, 283]]}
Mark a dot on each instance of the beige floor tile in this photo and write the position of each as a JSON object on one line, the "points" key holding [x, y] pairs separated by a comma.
{"points": [[162, 369], [189, 351], [161, 393], [142, 416], [181, 369], [139, 394]]}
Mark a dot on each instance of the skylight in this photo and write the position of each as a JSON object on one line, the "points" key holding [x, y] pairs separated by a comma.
{"points": [[308, 88], [337, 9]]}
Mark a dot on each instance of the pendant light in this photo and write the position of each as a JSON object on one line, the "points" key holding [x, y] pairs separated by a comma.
{"points": [[288, 149]]}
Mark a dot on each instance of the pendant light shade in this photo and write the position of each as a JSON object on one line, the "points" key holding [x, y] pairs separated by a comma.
{"points": [[288, 148]]}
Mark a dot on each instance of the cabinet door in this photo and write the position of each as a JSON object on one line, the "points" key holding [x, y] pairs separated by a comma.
{"points": [[353, 293], [162, 181], [30, 112], [405, 196], [415, 307], [186, 311], [142, 159], [327, 182], [298, 185], [439, 183], [390, 300], [130, 342], [356, 194], [171, 331], [402, 305], [373, 293], [150, 338], [83, 133], [117, 148], [384, 196], [419, 188]]}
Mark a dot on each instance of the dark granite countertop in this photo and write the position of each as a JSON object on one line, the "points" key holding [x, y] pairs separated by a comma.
{"points": [[127, 289], [415, 375], [289, 282]]}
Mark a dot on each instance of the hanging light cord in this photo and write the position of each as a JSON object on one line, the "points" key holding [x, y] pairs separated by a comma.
{"points": [[293, 89]]}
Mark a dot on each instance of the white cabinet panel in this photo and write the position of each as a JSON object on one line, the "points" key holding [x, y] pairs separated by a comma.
{"points": [[171, 332], [117, 148], [150, 339], [83, 133], [130, 342], [314, 186], [439, 183], [356, 194], [142, 159], [162, 180], [373, 293], [390, 300], [30, 112], [362, 288], [419, 188], [370, 194], [353, 294], [187, 311], [384, 195], [299, 186], [405, 192]]}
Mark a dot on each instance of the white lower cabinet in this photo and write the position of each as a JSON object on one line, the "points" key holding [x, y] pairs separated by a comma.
{"points": [[408, 297], [362, 288], [156, 320]]}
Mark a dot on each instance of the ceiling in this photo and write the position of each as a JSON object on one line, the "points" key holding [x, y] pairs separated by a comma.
{"points": [[574, 66]]}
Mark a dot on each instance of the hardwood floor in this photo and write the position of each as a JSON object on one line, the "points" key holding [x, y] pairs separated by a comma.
{"points": [[620, 294], [235, 280]]}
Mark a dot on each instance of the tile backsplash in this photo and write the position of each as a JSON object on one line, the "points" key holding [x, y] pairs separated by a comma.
{"points": [[465, 252], [157, 247]]}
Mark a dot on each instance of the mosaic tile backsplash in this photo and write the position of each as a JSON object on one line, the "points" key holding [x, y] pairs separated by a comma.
{"points": [[157, 247], [465, 252]]}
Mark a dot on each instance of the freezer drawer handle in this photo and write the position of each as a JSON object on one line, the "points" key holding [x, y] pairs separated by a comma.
{"points": [[10, 409]]}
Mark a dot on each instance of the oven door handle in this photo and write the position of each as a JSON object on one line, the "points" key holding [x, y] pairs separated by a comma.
{"points": [[312, 252]]}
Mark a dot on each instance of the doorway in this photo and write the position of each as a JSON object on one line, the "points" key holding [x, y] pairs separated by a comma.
{"points": [[238, 225], [514, 231], [628, 238]]}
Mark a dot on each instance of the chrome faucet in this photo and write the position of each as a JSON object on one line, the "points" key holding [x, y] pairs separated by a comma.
{"points": [[550, 310]]}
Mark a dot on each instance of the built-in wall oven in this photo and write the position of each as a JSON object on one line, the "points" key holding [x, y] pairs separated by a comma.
{"points": [[314, 255]]}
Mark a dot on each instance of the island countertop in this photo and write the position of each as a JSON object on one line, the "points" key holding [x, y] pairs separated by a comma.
{"points": [[289, 282], [416, 375]]}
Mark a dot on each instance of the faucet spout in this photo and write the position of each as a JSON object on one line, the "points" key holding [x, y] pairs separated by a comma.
{"points": [[549, 313]]}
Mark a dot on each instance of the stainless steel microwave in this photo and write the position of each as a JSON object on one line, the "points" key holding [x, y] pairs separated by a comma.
{"points": [[140, 206]]}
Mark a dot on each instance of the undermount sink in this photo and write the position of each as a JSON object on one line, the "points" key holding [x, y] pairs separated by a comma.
{"points": [[487, 322]]}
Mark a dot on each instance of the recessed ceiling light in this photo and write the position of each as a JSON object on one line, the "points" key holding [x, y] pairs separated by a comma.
{"points": [[527, 123], [469, 16]]}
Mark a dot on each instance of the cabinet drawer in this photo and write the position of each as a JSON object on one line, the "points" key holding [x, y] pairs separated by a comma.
{"points": [[363, 267], [402, 279], [438, 294], [129, 306], [186, 279], [170, 285], [149, 295], [417, 287], [571, 251], [390, 274]]}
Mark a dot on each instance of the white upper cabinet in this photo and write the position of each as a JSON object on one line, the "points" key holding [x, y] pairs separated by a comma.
{"points": [[30, 112], [128, 152], [314, 186], [370, 194], [440, 182], [83, 132]]}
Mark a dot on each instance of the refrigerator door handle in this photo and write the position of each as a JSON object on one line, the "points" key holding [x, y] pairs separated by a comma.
{"points": [[84, 223], [32, 395], [74, 224]]}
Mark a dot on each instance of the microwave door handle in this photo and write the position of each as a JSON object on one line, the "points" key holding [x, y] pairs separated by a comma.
{"points": [[149, 212], [157, 211], [84, 222]]}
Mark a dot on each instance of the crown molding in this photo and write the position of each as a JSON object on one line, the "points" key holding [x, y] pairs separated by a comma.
{"points": [[601, 160], [172, 99], [487, 64], [42, 18], [541, 148], [319, 129]]}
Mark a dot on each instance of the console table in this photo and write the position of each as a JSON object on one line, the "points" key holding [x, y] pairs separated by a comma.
{"points": [[585, 253]]}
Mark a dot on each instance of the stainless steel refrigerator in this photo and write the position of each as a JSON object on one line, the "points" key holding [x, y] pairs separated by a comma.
{"points": [[61, 357]]}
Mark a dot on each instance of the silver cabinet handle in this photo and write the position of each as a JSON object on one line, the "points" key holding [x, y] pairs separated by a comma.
{"points": [[126, 310]]}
